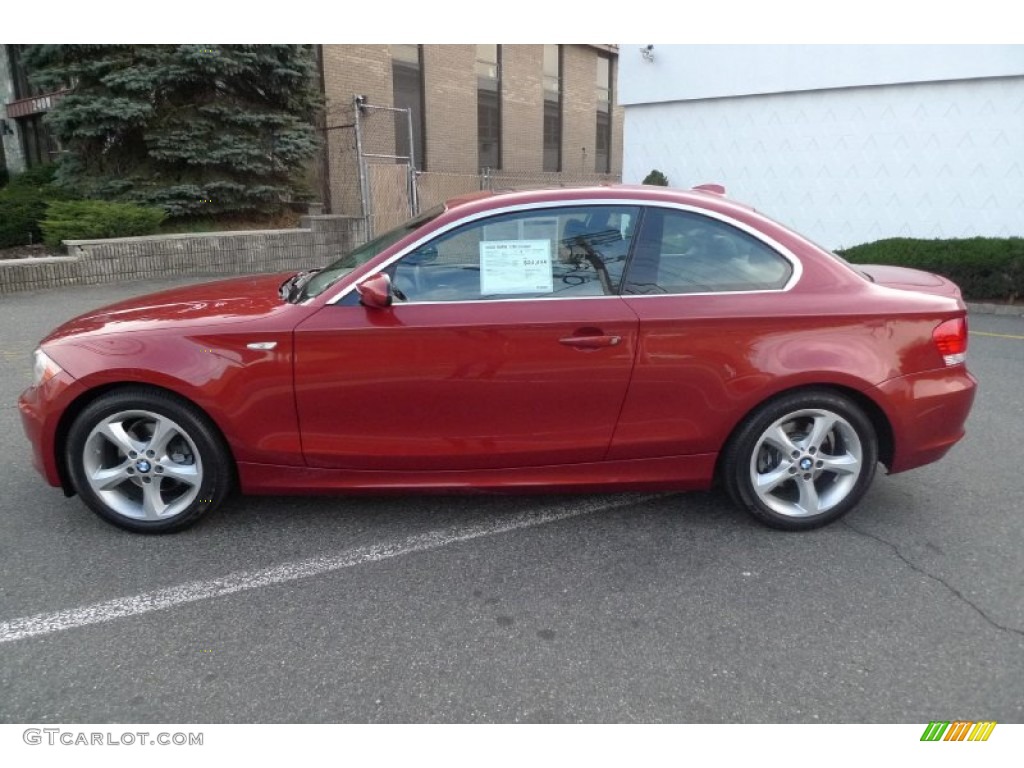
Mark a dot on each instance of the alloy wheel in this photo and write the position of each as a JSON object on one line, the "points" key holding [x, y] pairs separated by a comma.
{"points": [[806, 463], [142, 465]]}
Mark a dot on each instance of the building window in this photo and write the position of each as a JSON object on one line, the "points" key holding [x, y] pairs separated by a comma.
{"points": [[603, 143], [552, 107], [407, 78], [36, 140], [488, 100]]}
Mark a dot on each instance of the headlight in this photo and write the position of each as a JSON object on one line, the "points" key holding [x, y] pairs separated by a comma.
{"points": [[43, 368]]}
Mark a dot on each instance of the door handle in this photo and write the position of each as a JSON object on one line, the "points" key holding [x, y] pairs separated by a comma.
{"points": [[591, 342]]}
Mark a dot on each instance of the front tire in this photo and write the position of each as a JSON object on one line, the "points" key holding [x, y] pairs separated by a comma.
{"points": [[801, 461], [147, 461]]}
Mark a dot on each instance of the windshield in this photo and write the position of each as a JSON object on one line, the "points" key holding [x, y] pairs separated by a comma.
{"points": [[331, 274]]}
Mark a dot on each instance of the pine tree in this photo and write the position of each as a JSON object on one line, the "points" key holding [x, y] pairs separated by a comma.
{"points": [[196, 129], [656, 178]]}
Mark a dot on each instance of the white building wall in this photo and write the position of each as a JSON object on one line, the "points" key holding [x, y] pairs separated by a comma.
{"points": [[844, 165], [680, 72]]}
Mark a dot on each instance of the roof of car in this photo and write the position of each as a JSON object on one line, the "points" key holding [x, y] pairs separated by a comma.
{"points": [[707, 195]]}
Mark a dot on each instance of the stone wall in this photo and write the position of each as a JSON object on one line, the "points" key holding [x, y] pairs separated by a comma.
{"points": [[316, 242]]}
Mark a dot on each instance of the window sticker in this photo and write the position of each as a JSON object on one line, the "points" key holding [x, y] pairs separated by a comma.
{"points": [[515, 266]]}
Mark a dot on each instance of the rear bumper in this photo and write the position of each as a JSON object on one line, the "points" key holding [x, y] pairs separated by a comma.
{"points": [[41, 409], [927, 412]]}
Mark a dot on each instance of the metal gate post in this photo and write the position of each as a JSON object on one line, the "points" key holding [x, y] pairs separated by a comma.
{"points": [[414, 201], [364, 193]]}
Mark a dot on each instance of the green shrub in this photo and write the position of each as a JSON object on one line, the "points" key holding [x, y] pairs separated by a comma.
{"points": [[23, 205], [38, 177], [20, 213], [983, 267], [94, 219], [657, 178]]}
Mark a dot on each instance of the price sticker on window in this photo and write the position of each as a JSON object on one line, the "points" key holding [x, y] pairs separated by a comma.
{"points": [[515, 267]]}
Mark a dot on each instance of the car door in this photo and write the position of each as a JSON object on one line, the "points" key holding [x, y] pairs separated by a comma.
{"points": [[506, 346], [707, 294]]}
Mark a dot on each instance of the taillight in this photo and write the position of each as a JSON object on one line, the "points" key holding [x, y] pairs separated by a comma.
{"points": [[951, 339]]}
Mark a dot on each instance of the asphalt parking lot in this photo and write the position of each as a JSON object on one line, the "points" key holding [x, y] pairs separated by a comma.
{"points": [[649, 608]]}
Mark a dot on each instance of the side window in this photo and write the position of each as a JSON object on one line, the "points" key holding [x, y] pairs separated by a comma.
{"points": [[546, 253], [683, 252]]}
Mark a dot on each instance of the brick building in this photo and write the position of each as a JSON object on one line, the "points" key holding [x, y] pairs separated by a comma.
{"points": [[481, 116], [25, 140]]}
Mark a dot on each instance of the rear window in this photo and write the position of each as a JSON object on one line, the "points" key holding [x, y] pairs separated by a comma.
{"points": [[681, 252]]}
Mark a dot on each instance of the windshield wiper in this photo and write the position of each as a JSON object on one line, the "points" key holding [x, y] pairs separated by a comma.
{"points": [[291, 287], [286, 287]]}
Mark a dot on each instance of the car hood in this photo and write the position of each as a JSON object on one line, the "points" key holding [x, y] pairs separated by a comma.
{"points": [[193, 307], [910, 279]]}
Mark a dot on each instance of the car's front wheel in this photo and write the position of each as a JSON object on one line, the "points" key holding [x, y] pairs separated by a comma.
{"points": [[147, 461], [801, 461]]}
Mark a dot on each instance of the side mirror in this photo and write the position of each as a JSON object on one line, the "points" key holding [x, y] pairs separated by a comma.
{"points": [[375, 291]]}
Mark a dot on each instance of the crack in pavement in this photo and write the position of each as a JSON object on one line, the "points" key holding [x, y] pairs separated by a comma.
{"points": [[932, 576]]}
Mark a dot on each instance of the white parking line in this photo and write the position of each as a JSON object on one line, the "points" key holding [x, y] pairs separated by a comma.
{"points": [[240, 581]]}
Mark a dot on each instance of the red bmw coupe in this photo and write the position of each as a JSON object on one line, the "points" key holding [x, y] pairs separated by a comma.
{"points": [[580, 339]]}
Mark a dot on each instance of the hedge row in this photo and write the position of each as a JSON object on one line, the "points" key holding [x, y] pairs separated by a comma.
{"points": [[33, 210], [983, 267], [94, 219]]}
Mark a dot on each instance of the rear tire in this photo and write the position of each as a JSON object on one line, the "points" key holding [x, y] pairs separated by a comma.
{"points": [[147, 461], [801, 461]]}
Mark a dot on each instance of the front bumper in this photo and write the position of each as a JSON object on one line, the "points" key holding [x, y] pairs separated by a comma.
{"points": [[927, 412], [41, 408]]}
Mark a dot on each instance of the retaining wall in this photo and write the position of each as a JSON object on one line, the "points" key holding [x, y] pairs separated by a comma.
{"points": [[316, 242]]}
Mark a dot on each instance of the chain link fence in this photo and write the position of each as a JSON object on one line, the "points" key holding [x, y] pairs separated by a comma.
{"points": [[499, 180], [365, 169], [336, 170], [437, 186]]}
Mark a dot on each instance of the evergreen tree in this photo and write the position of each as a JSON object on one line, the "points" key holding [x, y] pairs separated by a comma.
{"points": [[196, 129], [656, 178]]}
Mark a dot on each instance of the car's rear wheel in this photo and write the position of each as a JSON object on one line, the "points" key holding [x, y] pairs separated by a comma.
{"points": [[801, 461], [147, 461]]}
